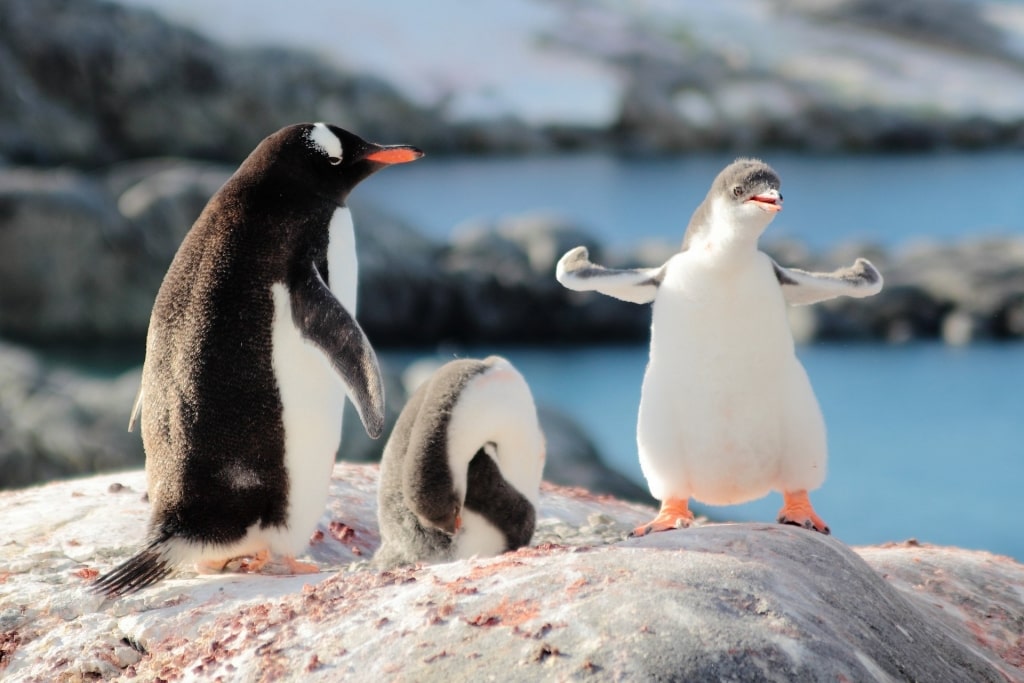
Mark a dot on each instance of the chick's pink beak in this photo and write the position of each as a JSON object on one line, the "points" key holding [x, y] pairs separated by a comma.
{"points": [[770, 202]]}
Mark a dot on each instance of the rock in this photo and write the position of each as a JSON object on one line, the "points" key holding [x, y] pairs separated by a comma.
{"points": [[849, 74], [87, 253], [956, 23], [574, 460], [503, 278], [99, 82], [56, 423], [69, 261], [161, 199], [403, 298], [722, 602], [96, 82], [503, 274], [356, 445]]}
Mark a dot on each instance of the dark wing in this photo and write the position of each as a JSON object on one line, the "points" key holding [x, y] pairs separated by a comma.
{"points": [[324, 321]]}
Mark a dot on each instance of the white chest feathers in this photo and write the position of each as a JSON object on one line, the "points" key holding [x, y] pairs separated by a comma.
{"points": [[312, 394], [342, 267], [726, 410]]}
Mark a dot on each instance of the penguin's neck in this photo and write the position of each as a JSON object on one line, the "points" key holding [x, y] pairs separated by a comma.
{"points": [[342, 267], [727, 237]]}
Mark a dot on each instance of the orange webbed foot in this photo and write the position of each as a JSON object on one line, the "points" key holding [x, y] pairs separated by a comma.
{"points": [[300, 567], [797, 510], [674, 514], [256, 562]]}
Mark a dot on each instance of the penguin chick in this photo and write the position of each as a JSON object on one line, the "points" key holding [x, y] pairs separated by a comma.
{"points": [[461, 472], [252, 349], [727, 412]]}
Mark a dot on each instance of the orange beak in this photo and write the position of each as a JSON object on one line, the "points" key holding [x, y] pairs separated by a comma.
{"points": [[394, 154]]}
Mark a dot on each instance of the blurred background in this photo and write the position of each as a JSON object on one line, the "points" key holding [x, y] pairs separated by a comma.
{"points": [[897, 128]]}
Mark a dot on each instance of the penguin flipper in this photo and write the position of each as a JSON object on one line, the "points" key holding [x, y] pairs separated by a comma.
{"points": [[575, 271], [143, 569], [491, 496], [801, 287], [135, 410], [324, 321]]}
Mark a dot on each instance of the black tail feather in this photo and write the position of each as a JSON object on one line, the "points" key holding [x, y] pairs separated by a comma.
{"points": [[143, 569]]}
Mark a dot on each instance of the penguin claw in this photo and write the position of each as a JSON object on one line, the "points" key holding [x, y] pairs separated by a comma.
{"points": [[806, 524], [674, 514], [655, 526], [257, 562], [797, 511]]}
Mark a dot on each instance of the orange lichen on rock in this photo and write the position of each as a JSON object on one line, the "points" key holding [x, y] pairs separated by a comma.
{"points": [[510, 613]]}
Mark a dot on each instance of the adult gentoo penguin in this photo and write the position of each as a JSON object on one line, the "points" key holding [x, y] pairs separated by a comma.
{"points": [[726, 410], [252, 348], [461, 471]]}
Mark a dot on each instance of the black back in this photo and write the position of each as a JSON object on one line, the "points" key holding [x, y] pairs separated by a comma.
{"points": [[211, 412]]}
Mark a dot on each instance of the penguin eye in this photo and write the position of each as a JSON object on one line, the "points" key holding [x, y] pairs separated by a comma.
{"points": [[334, 160], [737, 191]]}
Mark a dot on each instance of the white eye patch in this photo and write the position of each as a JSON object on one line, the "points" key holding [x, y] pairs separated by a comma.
{"points": [[324, 141]]}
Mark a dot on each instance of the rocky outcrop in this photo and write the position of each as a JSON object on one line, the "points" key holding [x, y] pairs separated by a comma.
{"points": [[93, 82], [849, 74], [81, 266], [722, 602], [57, 423], [85, 254]]}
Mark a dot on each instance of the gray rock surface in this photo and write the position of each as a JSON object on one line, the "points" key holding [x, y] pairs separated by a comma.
{"points": [[57, 423], [69, 261], [716, 602], [843, 74], [93, 82]]}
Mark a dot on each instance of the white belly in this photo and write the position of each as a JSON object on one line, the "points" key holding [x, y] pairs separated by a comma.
{"points": [[726, 413], [478, 537], [312, 396]]}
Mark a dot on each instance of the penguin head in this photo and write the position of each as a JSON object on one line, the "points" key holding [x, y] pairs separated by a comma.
{"points": [[751, 188], [742, 201], [329, 160]]}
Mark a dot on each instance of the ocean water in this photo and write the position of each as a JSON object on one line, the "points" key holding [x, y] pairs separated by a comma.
{"points": [[889, 200], [926, 442]]}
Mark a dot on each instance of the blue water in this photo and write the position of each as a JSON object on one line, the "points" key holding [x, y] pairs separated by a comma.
{"points": [[926, 442], [885, 199]]}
